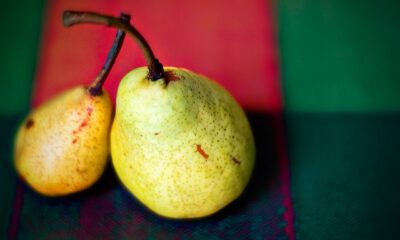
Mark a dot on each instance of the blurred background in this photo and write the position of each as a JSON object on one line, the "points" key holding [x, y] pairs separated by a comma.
{"points": [[328, 71]]}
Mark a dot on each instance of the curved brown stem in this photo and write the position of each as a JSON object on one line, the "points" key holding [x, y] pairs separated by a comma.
{"points": [[96, 86], [70, 18]]}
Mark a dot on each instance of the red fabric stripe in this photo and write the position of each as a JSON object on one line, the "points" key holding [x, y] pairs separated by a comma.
{"points": [[17, 205], [283, 162], [232, 42]]}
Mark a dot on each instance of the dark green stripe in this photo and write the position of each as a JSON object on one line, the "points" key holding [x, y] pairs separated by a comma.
{"points": [[345, 174]]}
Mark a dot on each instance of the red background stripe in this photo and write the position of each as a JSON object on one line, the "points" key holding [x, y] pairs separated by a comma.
{"points": [[232, 42]]}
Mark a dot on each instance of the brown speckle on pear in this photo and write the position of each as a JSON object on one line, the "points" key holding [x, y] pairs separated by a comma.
{"points": [[29, 124], [201, 151]]}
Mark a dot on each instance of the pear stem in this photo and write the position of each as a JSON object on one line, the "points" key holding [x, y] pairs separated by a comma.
{"points": [[70, 18], [97, 84]]}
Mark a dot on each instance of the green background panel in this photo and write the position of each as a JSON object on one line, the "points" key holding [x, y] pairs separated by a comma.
{"points": [[340, 55], [341, 82], [20, 22]]}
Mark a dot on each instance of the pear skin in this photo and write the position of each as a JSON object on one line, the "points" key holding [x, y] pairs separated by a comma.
{"points": [[181, 144], [63, 145]]}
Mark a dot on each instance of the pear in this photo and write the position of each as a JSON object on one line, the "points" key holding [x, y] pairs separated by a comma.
{"points": [[62, 146], [180, 143]]}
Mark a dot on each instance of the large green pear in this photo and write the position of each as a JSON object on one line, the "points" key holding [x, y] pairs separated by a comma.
{"points": [[179, 141], [181, 144]]}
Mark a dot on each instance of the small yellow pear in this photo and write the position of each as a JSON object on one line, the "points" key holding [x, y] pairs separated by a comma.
{"points": [[62, 146], [181, 145]]}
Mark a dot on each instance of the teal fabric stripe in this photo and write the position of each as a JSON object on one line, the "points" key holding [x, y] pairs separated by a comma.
{"points": [[345, 175]]}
